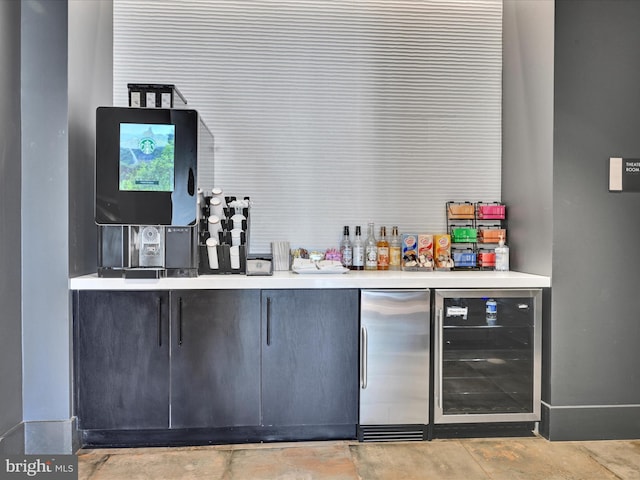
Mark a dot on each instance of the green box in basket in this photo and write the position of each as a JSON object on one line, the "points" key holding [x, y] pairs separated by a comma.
{"points": [[464, 234]]}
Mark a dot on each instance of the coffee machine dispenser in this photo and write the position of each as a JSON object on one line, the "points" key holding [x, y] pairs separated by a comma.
{"points": [[146, 196]]}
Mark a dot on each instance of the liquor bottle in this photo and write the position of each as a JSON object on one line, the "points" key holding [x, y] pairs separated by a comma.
{"points": [[370, 250], [502, 256], [394, 250], [383, 250], [358, 251], [346, 249]]}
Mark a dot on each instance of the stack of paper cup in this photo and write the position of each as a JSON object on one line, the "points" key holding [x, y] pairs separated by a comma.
{"points": [[212, 253], [234, 254], [280, 252], [216, 207], [213, 223]]}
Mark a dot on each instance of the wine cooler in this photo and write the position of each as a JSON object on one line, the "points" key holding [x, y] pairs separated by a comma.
{"points": [[487, 351]]}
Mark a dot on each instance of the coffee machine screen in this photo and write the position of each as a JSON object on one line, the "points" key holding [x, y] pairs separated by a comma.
{"points": [[147, 157], [146, 166]]}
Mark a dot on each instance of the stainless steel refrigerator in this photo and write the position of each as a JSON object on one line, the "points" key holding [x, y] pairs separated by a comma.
{"points": [[394, 364]]}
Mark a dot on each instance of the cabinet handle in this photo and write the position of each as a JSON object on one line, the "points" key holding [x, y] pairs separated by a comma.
{"points": [[159, 321], [268, 321], [180, 321], [364, 352]]}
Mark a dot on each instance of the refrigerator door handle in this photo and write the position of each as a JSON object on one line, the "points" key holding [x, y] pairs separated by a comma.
{"points": [[363, 356], [268, 321], [438, 358]]}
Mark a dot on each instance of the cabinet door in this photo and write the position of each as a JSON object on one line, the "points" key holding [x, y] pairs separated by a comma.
{"points": [[215, 358], [395, 357], [310, 357], [122, 360]]}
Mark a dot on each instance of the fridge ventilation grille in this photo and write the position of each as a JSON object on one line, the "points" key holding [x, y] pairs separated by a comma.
{"points": [[392, 433]]}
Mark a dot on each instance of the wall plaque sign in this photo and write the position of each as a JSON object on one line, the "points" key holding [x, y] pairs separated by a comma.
{"points": [[624, 174]]}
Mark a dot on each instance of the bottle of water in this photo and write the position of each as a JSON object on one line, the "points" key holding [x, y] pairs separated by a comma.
{"points": [[491, 312], [502, 256]]}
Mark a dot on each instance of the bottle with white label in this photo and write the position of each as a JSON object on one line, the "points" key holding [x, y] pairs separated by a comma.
{"points": [[383, 250], [370, 250], [502, 256], [346, 249], [358, 251], [395, 250]]}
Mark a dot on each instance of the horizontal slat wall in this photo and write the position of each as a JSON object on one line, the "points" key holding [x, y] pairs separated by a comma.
{"points": [[331, 113]]}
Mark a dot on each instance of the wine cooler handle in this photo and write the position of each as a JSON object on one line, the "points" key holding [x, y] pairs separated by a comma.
{"points": [[364, 355], [438, 357]]}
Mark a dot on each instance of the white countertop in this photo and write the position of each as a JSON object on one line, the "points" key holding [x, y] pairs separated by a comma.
{"points": [[352, 279]]}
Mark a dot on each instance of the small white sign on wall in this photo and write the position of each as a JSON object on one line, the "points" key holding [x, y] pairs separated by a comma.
{"points": [[624, 174]]}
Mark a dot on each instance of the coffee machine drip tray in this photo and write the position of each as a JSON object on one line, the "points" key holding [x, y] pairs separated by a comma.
{"points": [[144, 273]]}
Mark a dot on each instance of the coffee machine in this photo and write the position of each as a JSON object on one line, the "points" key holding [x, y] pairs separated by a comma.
{"points": [[146, 191]]}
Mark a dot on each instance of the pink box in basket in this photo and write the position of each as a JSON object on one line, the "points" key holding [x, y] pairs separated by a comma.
{"points": [[491, 212]]}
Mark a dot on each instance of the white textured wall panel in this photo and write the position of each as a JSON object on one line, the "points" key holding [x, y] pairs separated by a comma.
{"points": [[331, 113]]}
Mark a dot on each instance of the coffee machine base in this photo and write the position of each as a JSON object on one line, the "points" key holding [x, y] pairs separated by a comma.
{"points": [[131, 272], [147, 251]]}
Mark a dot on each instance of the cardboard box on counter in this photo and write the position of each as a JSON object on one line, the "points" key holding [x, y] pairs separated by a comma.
{"points": [[425, 251], [442, 251], [409, 260]]}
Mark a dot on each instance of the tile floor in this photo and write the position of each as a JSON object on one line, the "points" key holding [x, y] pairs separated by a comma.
{"points": [[464, 459]]}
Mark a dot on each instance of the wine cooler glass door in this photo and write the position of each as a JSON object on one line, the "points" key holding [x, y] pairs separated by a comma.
{"points": [[487, 356]]}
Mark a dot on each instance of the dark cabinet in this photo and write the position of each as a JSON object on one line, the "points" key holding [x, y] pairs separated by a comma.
{"points": [[122, 359], [309, 357], [209, 366], [215, 358]]}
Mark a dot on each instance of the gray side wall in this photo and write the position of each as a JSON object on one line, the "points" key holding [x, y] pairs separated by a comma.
{"points": [[46, 192], [11, 438], [45, 265], [595, 327], [527, 143], [527, 138], [90, 86]]}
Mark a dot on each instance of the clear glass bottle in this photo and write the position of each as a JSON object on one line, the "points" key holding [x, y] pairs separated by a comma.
{"points": [[502, 256], [346, 249], [395, 250], [383, 250], [370, 249], [358, 251]]}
